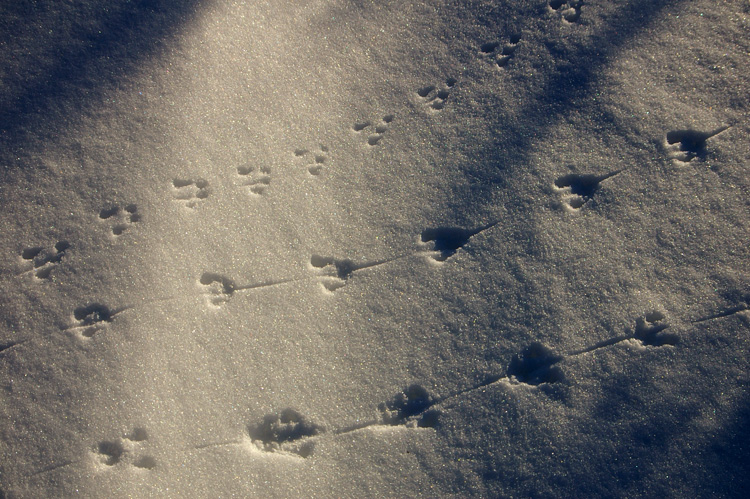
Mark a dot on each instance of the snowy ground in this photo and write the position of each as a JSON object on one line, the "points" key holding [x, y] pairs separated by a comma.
{"points": [[342, 248]]}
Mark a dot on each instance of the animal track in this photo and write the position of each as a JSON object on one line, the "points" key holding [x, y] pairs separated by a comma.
{"points": [[412, 407], [331, 284], [190, 192], [414, 401], [576, 189], [88, 320], [439, 244], [217, 289], [44, 260], [502, 55], [256, 179], [316, 159], [376, 132], [570, 9], [649, 330], [122, 218], [124, 450], [110, 452], [415, 407], [333, 273], [447, 240], [686, 145], [535, 365], [435, 97], [9, 345], [276, 431]]}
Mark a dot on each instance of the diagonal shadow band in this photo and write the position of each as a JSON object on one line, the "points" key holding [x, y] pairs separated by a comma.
{"points": [[519, 128], [61, 54]]}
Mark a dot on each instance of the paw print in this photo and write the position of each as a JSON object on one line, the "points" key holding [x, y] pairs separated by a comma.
{"points": [[412, 402], [257, 179], [570, 9], [502, 55], [687, 145], [332, 273], [90, 319], [376, 131], [316, 160], [576, 190], [44, 260], [649, 330], [190, 192], [122, 218], [125, 451], [285, 432], [216, 289], [435, 97], [535, 365]]}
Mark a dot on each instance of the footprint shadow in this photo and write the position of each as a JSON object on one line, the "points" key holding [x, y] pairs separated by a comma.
{"points": [[276, 431], [687, 145], [535, 365], [446, 241], [576, 190], [43, 260]]}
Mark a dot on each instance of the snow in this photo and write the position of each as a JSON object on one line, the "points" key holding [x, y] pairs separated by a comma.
{"points": [[340, 248]]}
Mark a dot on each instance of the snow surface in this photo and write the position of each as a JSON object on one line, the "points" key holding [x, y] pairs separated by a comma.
{"points": [[343, 248]]}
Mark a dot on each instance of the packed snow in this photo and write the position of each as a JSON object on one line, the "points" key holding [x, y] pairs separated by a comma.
{"points": [[346, 248]]}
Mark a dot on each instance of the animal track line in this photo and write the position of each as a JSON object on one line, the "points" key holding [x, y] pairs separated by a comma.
{"points": [[290, 433], [218, 289], [534, 365], [446, 241], [414, 407], [721, 315], [110, 453], [332, 273], [86, 322]]}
